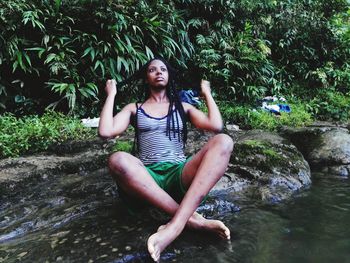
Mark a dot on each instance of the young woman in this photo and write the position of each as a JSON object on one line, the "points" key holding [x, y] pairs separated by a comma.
{"points": [[162, 175]]}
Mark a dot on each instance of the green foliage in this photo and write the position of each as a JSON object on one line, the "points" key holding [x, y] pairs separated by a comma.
{"points": [[124, 146], [330, 105], [69, 48], [251, 117], [33, 134], [58, 53]]}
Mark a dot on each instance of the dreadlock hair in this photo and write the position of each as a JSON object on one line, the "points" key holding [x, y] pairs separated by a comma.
{"points": [[175, 104]]}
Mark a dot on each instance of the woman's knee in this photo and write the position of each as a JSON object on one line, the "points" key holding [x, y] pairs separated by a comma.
{"points": [[225, 142], [118, 162]]}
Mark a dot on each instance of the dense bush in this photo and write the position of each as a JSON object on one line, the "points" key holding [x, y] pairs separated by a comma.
{"points": [[330, 105], [68, 48], [253, 117], [58, 53], [32, 133]]}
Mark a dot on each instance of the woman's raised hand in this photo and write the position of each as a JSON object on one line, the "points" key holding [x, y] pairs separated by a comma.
{"points": [[205, 88], [111, 87]]}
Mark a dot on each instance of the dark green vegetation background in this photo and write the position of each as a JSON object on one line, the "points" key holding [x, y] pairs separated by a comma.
{"points": [[58, 53]]}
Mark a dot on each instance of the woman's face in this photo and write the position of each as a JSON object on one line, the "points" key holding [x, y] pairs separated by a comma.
{"points": [[157, 74]]}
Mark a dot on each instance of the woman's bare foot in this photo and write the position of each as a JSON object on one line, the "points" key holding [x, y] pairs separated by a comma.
{"points": [[217, 227], [167, 233], [198, 222], [161, 239]]}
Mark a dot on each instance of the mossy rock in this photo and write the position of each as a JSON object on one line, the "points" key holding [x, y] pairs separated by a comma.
{"points": [[271, 163]]}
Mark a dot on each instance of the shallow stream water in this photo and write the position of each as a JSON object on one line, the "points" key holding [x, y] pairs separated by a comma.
{"points": [[78, 218]]}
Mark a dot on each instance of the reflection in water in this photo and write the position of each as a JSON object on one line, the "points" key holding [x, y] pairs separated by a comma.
{"points": [[77, 218]]}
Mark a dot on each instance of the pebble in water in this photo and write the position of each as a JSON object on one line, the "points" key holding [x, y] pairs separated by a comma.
{"points": [[60, 234], [98, 240], [114, 249], [127, 248], [21, 255], [54, 243], [63, 240]]}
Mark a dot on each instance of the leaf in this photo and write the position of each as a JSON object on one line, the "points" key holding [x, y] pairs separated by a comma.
{"points": [[125, 64], [86, 51], [83, 92], [14, 66], [153, 18], [20, 60], [92, 86], [27, 59], [99, 64], [149, 52], [112, 66], [57, 5], [50, 57]]}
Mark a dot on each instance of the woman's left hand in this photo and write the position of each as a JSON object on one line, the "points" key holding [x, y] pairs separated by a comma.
{"points": [[205, 88]]}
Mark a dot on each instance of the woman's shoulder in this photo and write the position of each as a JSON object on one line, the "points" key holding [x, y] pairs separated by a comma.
{"points": [[187, 106], [132, 107]]}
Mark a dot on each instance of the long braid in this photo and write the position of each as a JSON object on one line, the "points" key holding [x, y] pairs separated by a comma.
{"points": [[168, 119], [179, 107], [174, 100]]}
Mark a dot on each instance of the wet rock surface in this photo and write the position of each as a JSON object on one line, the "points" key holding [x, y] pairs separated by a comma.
{"points": [[17, 173], [326, 147]]}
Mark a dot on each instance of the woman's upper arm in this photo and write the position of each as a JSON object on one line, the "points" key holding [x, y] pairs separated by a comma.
{"points": [[122, 119], [197, 117]]}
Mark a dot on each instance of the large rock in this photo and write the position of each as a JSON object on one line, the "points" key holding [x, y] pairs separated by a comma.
{"points": [[263, 163], [70, 157], [326, 148], [269, 164]]}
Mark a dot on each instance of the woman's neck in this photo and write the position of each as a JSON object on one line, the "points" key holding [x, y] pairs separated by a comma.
{"points": [[158, 96]]}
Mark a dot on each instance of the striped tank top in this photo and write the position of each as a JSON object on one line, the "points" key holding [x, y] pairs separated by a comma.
{"points": [[154, 143]]}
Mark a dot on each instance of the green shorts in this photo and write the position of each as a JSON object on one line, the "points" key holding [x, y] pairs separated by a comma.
{"points": [[168, 176]]}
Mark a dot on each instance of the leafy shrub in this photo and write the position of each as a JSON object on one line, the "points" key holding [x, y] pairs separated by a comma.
{"points": [[33, 134], [330, 105], [124, 146], [58, 53], [66, 49], [251, 117]]}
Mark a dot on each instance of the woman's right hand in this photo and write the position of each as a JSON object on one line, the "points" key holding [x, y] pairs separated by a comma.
{"points": [[111, 87]]}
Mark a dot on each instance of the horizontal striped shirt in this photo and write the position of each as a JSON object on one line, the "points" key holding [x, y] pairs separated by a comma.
{"points": [[154, 143]]}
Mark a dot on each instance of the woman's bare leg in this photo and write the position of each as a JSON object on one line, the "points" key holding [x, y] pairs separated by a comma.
{"points": [[132, 176], [209, 166]]}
